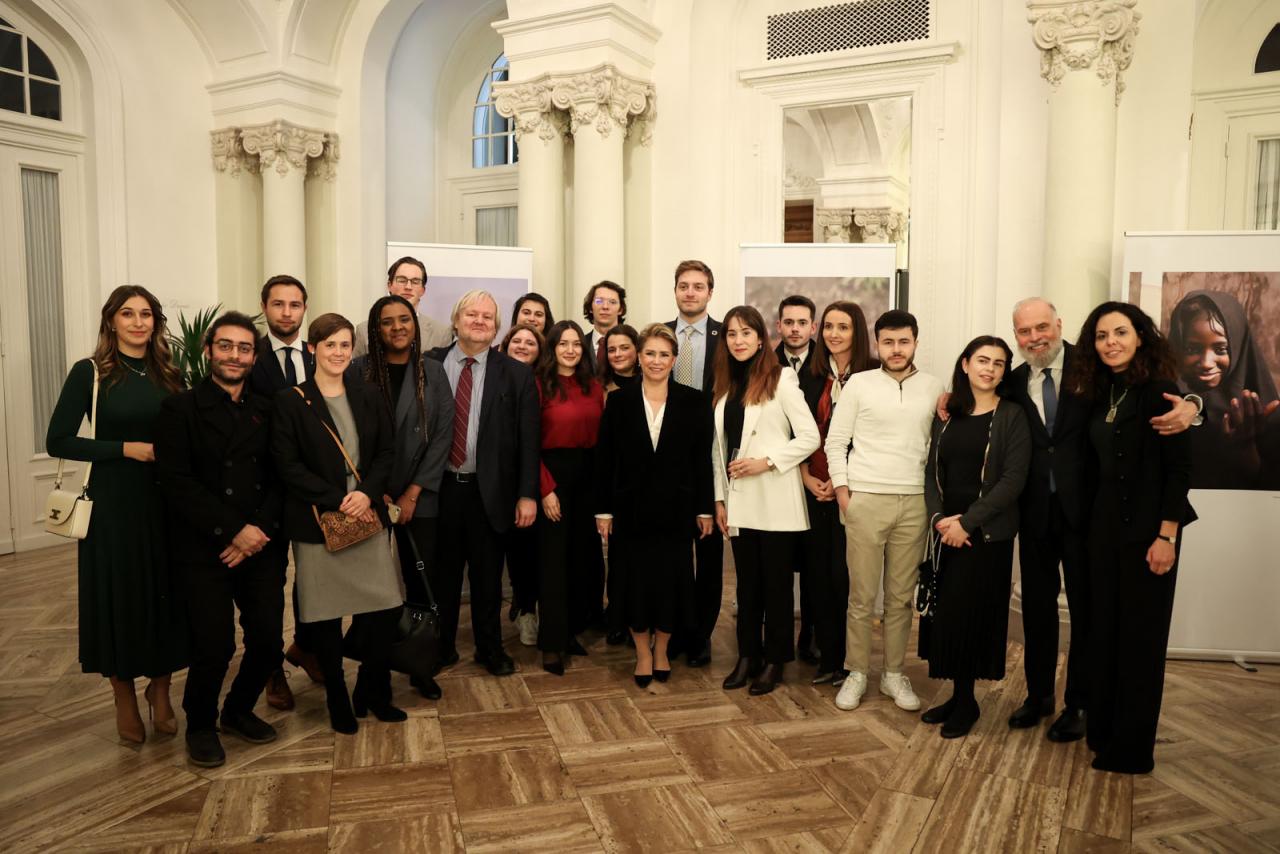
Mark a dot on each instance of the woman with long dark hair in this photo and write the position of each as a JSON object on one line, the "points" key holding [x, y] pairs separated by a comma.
{"points": [[571, 567], [842, 348], [621, 359], [132, 619], [1138, 485], [361, 579], [977, 466], [763, 431], [534, 310], [524, 343]]}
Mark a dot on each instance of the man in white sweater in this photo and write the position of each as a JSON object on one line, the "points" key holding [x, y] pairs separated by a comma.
{"points": [[886, 414]]}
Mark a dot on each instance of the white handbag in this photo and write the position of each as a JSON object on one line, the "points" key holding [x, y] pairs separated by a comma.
{"points": [[66, 513]]}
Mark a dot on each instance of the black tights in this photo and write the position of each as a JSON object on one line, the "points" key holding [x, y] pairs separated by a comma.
{"points": [[375, 630]]}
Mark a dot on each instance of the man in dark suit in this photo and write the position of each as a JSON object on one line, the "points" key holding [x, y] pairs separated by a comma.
{"points": [[490, 478], [604, 307], [214, 464], [283, 360], [1053, 515], [796, 316], [699, 337]]}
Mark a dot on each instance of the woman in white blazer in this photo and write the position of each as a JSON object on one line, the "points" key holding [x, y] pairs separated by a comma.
{"points": [[763, 431]]}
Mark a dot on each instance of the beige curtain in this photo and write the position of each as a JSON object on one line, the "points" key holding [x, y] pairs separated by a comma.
{"points": [[42, 229], [496, 226], [1267, 209]]}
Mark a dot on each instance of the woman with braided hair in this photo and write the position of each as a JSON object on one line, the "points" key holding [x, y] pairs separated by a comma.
{"points": [[416, 392]]}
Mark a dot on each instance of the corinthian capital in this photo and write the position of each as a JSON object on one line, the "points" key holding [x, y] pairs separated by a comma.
{"points": [[530, 105], [228, 154], [1082, 34], [834, 223], [280, 144], [602, 98], [879, 225]]}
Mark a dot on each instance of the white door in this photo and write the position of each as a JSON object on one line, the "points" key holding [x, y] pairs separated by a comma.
{"points": [[42, 288], [1246, 136]]}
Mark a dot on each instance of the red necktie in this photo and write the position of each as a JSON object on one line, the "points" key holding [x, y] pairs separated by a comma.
{"points": [[461, 415], [600, 351]]}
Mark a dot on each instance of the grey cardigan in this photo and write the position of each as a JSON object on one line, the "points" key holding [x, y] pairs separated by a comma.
{"points": [[1005, 473]]}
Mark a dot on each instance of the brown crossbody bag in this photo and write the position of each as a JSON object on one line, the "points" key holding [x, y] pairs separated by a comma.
{"points": [[339, 529]]}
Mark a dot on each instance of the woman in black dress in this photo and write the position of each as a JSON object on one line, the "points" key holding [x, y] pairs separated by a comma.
{"points": [[653, 465], [977, 466], [132, 620], [524, 343], [1137, 485]]}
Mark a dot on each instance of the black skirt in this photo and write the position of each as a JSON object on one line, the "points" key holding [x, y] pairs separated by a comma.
{"points": [[967, 636], [657, 572]]}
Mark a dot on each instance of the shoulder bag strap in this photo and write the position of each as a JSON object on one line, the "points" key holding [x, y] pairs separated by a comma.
{"points": [[93, 434], [334, 435]]}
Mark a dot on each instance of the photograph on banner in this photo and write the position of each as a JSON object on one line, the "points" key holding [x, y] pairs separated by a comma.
{"points": [[453, 270], [1224, 329]]}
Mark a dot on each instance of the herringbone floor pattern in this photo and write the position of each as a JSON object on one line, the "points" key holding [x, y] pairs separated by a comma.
{"points": [[589, 762]]}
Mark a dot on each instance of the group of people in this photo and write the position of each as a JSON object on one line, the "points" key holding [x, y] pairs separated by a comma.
{"points": [[605, 467]]}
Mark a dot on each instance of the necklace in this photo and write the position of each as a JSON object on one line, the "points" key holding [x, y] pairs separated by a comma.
{"points": [[141, 373], [1115, 404]]}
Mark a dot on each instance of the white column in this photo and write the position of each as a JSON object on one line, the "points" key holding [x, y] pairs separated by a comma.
{"points": [[539, 129], [238, 202], [600, 103], [1085, 46], [282, 150]]}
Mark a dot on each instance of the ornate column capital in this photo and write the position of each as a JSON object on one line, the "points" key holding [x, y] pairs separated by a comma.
{"points": [[280, 144], [834, 223], [229, 155], [531, 106], [325, 167], [603, 98], [880, 225], [1078, 34]]}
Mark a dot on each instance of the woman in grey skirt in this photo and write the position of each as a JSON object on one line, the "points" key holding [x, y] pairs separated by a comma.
{"points": [[361, 579]]}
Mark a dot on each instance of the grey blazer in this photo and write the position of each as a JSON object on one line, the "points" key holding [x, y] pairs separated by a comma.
{"points": [[410, 435], [1008, 460]]}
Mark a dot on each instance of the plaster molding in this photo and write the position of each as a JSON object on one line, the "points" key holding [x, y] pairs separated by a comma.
{"points": [[280, 145], [795, 182], [880, 225], [530, 105], [599, 12], [834, 223], [641, 127], [228, 153], [804, 74], [325, 167], [603, 98], [250, 82], [1084, 34]]}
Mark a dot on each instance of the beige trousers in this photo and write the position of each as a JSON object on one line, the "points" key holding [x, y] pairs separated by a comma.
{"points": [[884, 534]]}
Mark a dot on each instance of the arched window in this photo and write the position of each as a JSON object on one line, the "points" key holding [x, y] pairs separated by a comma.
{"points": [[1269, 54], [493, 139], [28, 81]]}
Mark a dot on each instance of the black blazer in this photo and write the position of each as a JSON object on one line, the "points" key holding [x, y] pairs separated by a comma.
{"points": [[216, 473], [783, 359], [508, 446], [655, 491], [709, 363], [421, 450], [1064, 452], [312, 467], [1008, 458], [1153, 472], [267, 377]]}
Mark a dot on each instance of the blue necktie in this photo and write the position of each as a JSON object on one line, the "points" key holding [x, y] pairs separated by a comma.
{"points": [[1050, 395]]}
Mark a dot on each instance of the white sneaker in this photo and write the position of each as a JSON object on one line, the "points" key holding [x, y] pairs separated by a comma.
{"points": [[528, 625], [898, 686], [855, 685]]}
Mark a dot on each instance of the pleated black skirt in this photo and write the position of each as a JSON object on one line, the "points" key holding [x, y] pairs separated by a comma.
{"points": [[966, 637]]}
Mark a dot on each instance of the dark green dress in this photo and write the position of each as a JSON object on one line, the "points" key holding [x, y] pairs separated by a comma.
{"points": [[132, 618]]}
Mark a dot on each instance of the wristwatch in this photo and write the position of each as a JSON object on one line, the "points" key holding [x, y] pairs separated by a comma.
{"points": [[769, 463], [1173, 541], [1199, 402]]}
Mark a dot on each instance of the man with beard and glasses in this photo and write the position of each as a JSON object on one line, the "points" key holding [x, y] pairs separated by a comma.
{"points": [[283, 361], [1053, 514], [214, 465], [879, 486]]}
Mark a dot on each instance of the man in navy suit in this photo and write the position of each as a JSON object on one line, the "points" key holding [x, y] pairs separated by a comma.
{"points": [[699, 337], [490, 478]]}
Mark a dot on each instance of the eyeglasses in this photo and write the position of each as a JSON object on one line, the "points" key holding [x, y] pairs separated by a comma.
{"points": [[222, 345], [604, 301], [404, 280]]}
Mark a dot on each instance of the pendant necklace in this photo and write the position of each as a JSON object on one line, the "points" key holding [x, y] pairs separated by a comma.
{"points": [[1115, 404], [141, 373]]}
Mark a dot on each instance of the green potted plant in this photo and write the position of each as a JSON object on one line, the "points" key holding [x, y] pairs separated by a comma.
{"points": [[188, 345]]}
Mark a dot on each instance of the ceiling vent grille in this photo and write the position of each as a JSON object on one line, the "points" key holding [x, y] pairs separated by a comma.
{"points": [[864, 23]]}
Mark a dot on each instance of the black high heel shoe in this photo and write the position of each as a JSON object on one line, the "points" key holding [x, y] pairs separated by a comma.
{"points": [[553, 663], [362, 704]]}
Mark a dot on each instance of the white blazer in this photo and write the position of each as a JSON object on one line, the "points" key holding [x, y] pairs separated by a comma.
{"points": [[783, 430]]}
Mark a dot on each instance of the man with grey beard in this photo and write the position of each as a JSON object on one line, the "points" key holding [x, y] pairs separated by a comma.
{"points": [[1053, 516]]}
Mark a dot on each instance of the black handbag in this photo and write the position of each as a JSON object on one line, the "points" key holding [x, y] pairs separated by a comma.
{"points": [[927, 583], [416, 642]]}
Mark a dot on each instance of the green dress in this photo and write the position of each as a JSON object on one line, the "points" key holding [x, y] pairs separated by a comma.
{"points": [[132, 616]]}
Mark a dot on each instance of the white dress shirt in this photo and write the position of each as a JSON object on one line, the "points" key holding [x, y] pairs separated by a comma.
{"points": [[298, 364]]}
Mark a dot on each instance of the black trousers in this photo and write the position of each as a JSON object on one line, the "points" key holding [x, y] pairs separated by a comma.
{"points": [[570, 564], [522, 567], [800, 565], [213, 594], [1039, 555], [376, 629], [469, 541], [1132, 610], [422, 531], [708, 591], [766, 604], [827, 575]]}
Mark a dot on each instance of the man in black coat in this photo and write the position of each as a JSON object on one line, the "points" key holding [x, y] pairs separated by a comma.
{"points": [[490, 478], [1053, 517], [214, 464], [699, 337], [604, 307]]}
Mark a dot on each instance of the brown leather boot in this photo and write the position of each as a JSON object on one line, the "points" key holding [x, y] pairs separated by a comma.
{"points": [[278, 694], [299, 657]]}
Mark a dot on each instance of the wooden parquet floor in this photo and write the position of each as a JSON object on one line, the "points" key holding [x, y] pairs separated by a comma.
{"points": [[589, 762]]}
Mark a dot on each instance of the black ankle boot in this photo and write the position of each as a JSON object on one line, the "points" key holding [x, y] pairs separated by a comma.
{"points": [[364, 700], [962, 718], [744, 670], [767, 680], [341, 718], [939, 714]]}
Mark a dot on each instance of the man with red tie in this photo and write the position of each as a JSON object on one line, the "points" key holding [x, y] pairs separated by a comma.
{"points": [[490, 479], [604, 307]]}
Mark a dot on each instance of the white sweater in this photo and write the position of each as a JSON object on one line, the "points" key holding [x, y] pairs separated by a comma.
{"points": [[888, 423]]}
